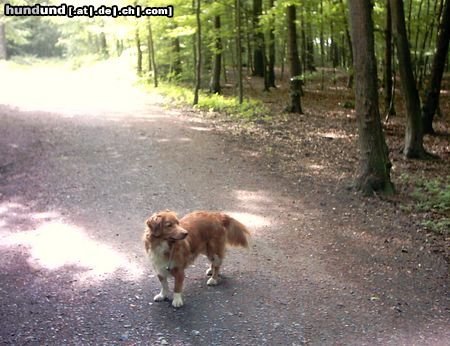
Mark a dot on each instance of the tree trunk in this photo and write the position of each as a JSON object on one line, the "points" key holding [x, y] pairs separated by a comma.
{"points": [[176, 68], [151, 49], [295, 67], [334, 54], [3, 51], [434, 86], [375, 164], [322, 49], [388, 63], [271, 65], [349, 43], [239, 51], [258, 52], [138, 52], [198, 67], [215, 80], [413, 133]]}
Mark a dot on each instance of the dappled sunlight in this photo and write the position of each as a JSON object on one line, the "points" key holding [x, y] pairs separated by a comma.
{"points": [[335, 134], [174, 139], [254, 222], [53, 244], [56, 244], [203, 129]]}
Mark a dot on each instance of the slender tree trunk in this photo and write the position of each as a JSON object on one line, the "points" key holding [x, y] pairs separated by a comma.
{"points": [[349, 43], [413, 133], [375, 164], [249, 44], [3, 52], [388, 63], [421, 66], [104, 45], [258, 52], [198, 67], [138, 52], [295, 67], [239, 51], [334, 54], [303, 39], [322, 48], [177, 57], [434, 86], [215, 80], [151, 49], [310, 47], [271, 65], [414, 59]]}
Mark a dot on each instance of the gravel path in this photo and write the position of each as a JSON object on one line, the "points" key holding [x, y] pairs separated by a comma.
{"points": [[81, 170]]}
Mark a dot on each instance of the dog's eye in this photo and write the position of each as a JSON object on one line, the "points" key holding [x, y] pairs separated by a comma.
{"points": [[168, 224]]}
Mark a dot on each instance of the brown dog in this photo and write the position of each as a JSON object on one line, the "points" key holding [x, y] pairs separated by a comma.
{"points": [[173, 244]]}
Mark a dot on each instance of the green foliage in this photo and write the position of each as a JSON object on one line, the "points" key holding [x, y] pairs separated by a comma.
{"points": [[430, 196], [249, 110]]}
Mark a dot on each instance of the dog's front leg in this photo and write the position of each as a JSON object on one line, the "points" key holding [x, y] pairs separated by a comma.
{"points": [[178, 275], [164, 289]]}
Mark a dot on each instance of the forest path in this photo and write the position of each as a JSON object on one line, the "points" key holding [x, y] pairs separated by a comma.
{"points": [[85, 157]]}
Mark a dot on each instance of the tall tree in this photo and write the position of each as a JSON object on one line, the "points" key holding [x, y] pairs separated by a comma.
{"points": [[375, 164], [151, 49], [138, 52], [258, 51], [295, 67], [349, 43], [217, 64], [3, 52], [388, 85], [239, 51], [271, 61], [434, 85], [198, 67], [413, 134]]}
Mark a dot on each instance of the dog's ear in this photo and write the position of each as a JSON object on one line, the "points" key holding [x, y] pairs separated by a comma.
{"points": [[155, 224]]}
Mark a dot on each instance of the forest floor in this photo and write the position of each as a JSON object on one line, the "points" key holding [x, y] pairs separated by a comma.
{"points": [[86, 157]]}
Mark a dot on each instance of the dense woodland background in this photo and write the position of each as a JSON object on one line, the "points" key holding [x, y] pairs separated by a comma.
{"points": [[287, 69]]}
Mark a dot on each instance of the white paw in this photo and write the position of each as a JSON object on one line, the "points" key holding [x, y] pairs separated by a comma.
{"points": [[211, 282], [159, 297], [209, 272], [177, 300]]}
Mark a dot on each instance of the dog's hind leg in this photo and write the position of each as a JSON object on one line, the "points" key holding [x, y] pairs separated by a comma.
{"points": [[164, 289]]}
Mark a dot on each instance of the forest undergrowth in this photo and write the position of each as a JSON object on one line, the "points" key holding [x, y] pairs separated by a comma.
{"points": [[322, 142]]}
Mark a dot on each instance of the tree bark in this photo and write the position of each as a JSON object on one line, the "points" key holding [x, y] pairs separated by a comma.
{"points": [[434, 86], [271, 64], [3, 51], [198, 67], [413, 133], [258, 51], [176, 68], [295, 67], [239, 51], [138, 52], [349, 43], [215, 80], [388, 107], [151, 49], [375, 164]]}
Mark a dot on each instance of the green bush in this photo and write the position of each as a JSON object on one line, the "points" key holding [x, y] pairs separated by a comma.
{"points": [[249, 110]]}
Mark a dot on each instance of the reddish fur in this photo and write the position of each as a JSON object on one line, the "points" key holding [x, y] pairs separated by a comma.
{"points": [[207, 234]]}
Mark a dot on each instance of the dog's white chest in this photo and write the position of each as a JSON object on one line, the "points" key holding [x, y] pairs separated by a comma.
{"points": [[159, 261]]}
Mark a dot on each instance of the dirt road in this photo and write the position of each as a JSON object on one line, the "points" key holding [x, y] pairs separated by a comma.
{"points": [[85, 158]]}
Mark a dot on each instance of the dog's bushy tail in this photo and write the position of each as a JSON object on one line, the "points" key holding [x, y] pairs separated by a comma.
{"points": [[237, 233]]}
